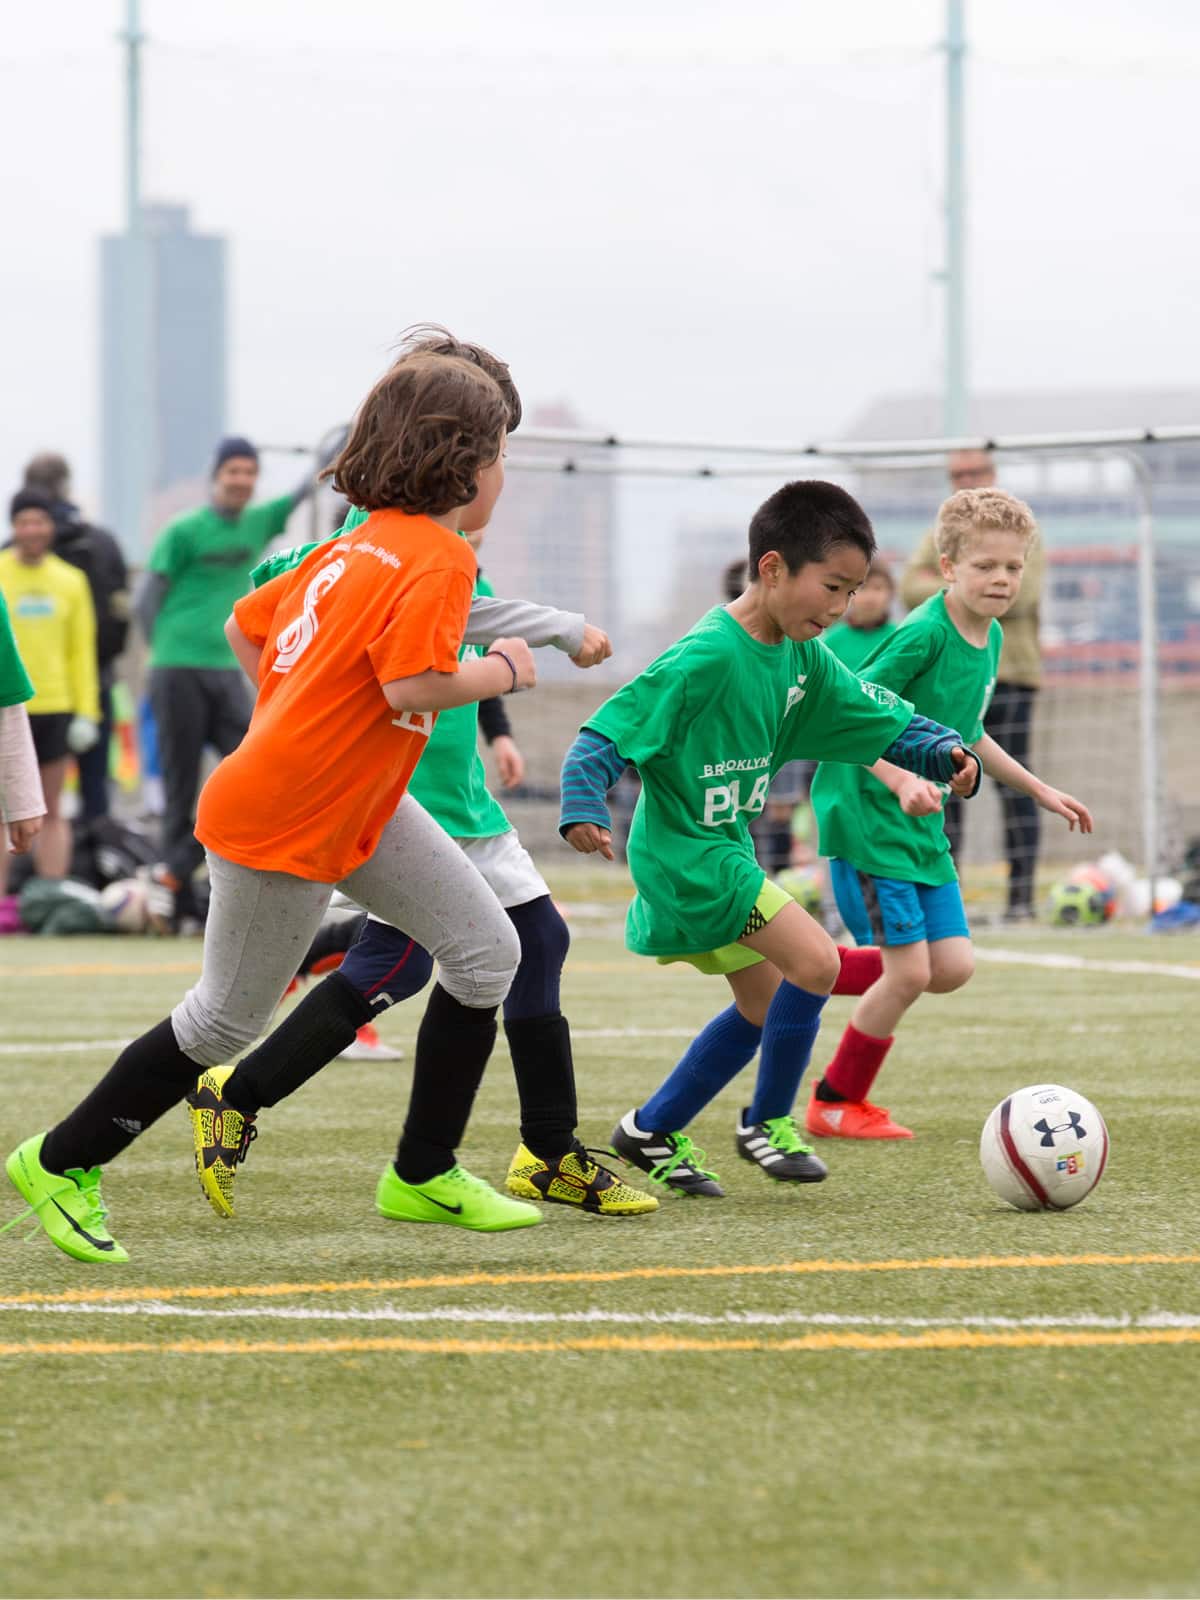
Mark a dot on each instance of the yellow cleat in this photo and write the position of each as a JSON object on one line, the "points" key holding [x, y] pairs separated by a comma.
{"points": [[222, 1136], [576, 1180]]}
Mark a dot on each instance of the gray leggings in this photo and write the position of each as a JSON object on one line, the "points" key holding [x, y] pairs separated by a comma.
{"points": [[261, 923]]}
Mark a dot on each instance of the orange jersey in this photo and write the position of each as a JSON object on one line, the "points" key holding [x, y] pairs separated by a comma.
{"points": [[326, 759]]}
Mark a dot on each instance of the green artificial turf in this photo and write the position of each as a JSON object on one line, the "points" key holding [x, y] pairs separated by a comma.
{"points": [[607, 1458]]}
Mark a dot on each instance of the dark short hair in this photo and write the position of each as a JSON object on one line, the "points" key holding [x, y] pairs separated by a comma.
{"points": [[805, 521], [430, 338], [420, 437], [49, 472]]}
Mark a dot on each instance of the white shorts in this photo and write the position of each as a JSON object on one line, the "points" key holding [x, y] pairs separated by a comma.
{"points": [[506, 867]]}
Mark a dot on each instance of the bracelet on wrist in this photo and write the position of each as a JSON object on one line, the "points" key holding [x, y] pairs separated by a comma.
{"points": [[512, 666]]}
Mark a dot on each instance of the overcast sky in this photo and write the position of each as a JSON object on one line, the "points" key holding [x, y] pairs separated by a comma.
{"points": [[690, 217]]}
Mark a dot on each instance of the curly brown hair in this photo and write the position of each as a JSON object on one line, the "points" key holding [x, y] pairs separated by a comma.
{"points": [[430, 338], [971, 511], [420, 437]]}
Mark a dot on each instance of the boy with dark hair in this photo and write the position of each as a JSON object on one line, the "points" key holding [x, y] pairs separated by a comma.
{"points": [[707, 725], [354, 652], [385, 965]]}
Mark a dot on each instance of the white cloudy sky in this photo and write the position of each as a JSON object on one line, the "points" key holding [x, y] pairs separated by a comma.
{"points": [[681, 215]]}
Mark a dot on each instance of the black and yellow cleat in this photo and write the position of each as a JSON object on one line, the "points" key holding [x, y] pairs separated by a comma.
{"points": [[222, 1136], [575, 1180]]}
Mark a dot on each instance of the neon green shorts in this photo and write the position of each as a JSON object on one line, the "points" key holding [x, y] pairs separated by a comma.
{"points": [[735, 957]]}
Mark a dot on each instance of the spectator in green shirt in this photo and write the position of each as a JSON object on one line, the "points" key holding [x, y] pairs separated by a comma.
{"points": [[199, 566]]}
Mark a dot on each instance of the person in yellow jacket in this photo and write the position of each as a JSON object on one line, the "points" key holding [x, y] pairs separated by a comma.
{"points": [[1010, 716], [54, 623]]}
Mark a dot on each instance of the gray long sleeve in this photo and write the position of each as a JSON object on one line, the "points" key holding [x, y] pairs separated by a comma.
{"points": [[492, 618], [148, 600]]}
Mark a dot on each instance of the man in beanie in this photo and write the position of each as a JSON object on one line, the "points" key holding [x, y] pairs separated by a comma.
{"points": [[199, 566], [98, 556]]}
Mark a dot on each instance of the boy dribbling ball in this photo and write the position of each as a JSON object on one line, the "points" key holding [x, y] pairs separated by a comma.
{"points": [[892, 872]]}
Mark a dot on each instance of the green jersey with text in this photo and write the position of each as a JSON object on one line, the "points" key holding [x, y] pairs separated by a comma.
{"points": [[450, 780], [948, 679], [707, 726]]}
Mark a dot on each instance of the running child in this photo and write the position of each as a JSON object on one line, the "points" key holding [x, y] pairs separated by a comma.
{"points": [[707, 725], [355, 652], [892, 871], [386, 965]]}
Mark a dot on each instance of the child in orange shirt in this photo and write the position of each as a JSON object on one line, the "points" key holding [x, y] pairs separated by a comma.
{"points": [[354, 651]]}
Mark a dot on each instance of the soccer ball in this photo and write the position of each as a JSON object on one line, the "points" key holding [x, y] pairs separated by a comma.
{"points": [[1078, 905], [124, 906], [804, 887], [1044, 1148]]}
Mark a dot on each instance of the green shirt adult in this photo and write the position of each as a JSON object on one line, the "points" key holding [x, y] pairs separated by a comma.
{"points": [[205, 560], [15, 687], [707, 725], [853, 645], [947, 678]]}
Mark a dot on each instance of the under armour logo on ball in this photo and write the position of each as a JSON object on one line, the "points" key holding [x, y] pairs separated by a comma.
{"points": [[1073, 1127]]}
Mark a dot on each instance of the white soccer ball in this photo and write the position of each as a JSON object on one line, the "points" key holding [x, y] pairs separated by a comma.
{"points": [[124, 906], [1044, 1148]]}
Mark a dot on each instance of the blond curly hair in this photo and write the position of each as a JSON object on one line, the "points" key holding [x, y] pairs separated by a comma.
{"points": [[974, 511]]}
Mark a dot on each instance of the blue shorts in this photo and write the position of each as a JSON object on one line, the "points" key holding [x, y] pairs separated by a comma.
{"points": [[889, 911]]}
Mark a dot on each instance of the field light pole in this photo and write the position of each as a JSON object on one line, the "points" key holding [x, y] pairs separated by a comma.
{"points": [[954, 270], [138, 431]]}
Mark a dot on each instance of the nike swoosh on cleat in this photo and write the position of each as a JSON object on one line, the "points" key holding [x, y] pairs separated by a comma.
{"points": [[457, 1210], [99, 1244]]}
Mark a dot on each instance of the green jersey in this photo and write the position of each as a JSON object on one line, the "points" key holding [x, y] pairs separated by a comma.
{"points": [[206, 560], [708, 725], [853, 645], [15, 687], [450, 780], [859, 820]]}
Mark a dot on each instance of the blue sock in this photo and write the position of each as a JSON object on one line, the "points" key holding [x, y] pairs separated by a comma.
{"points": [[787, 1040], [717, 1054]]}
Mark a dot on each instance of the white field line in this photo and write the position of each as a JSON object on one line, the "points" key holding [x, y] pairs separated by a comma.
{"points": [[1048, 958], [511, 1316]]}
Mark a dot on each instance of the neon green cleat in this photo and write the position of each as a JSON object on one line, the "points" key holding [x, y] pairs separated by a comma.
{"points": [[222, 1136], [70, 1207], [576, 1180], [455, 1198]]}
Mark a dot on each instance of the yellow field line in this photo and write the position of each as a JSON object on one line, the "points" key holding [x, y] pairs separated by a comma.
{"points": [[469, 1280], [651, 1344]]}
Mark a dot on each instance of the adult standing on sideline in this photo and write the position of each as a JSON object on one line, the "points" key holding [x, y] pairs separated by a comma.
{"points": [[199, 566], [50, 605], [1009, 719], [98, 556]]}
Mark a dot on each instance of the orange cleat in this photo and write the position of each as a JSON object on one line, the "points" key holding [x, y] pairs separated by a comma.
{"points": [[851, 1119]]}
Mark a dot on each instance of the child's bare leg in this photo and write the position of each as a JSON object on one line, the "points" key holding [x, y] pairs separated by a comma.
{"points": [[906, 975], [799, 948], [52, 847], [951, 964], [754, 989]]}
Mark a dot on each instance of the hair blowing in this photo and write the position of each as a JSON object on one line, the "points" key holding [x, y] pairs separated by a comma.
{"points": [[430, 338], [420, 437]]}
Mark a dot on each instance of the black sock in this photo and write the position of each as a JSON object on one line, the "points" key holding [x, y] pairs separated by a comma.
{"points": [[149, 1077], [830, 1096], [312, 1033], [545, 1074], [453, 1046]]}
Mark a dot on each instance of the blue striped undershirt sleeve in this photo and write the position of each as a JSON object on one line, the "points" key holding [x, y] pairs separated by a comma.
{"points": [[924, 748], [590, 768]]}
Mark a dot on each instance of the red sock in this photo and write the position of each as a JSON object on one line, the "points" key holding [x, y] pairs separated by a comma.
{"points": [[860, 969], [856, 1063]]}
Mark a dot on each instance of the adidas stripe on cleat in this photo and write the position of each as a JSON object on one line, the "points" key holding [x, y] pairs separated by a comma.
{"points": [[575, 1180], [668, 1159], [222, 1136], [69, 1206], [456, 1198], [776, 1146]]}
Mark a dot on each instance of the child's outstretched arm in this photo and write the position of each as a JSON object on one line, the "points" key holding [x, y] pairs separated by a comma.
{"points": [[568, 631], [590, 768], [933, 752], [998, 764]]}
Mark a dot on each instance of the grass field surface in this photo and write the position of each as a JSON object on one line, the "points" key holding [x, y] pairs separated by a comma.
{"points": [[889, 1383]]}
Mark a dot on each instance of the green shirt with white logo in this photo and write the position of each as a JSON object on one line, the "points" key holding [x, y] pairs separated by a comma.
{"points": [[708, 725], [948, 679], [206, 559], [15, 687]]}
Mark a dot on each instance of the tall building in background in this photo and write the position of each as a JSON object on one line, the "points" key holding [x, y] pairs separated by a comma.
{"points": [[185, 286]]}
